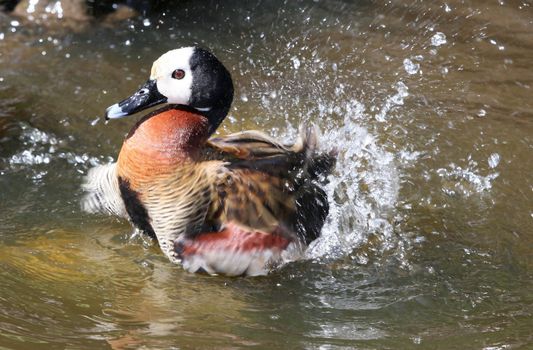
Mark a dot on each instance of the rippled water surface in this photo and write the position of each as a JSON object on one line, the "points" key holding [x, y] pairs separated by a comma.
{"points": [[429, 242]]}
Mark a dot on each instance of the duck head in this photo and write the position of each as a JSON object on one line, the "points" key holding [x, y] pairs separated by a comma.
{"points": [[190, 77]]}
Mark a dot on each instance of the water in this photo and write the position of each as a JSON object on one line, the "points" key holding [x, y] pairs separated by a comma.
{"points": [[429, 242]]}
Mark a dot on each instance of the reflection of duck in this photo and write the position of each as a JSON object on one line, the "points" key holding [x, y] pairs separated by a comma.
{"points": [[238, 204]]}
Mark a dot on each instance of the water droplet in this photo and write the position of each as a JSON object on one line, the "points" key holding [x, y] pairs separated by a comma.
{"points": [[438, 39], [295, 62], [410, 67], [2, 35], [15, 23], [146, 22], [494, 160], [127, 43], [447, 8], [244, 98], [395, 100], [481, 113]]}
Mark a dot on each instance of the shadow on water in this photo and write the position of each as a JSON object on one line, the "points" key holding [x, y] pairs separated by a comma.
{"points": [[429, 239]]}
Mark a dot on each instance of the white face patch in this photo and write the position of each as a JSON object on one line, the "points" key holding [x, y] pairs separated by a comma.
{"points": [[176, 90]]}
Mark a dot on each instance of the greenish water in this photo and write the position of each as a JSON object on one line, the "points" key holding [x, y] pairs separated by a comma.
{"points": [[429, 243]]}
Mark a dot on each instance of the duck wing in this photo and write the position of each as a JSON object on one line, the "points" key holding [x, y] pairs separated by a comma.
{"points": [[266, 184], [250, 144], [238, 207], [264, 199], [255, 149], [271, 185]]}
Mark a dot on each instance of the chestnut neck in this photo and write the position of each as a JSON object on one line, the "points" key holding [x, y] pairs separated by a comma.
{"points": [[166, 137]]}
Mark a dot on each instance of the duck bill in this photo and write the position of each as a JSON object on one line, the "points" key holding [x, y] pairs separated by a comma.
{"points": [[146, 97]]}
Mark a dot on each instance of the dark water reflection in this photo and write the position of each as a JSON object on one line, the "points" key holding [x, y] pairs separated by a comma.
{"points": [[430, 238]]}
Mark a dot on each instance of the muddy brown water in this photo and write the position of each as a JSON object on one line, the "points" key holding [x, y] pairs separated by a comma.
{"points": [[429, 243]]}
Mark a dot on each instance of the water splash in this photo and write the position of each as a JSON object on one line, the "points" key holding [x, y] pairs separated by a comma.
{"points": [[42, 148], [494, 160], [56, 9], [438, 39], [392, 101], [295, 62], [364, 188], [466, 180], [410, 66]]}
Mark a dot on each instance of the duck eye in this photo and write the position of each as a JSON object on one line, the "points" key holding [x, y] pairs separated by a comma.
{"points": [[178, 74]]}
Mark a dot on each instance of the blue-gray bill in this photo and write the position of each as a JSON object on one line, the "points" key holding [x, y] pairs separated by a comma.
{"points": [[146, 97]]}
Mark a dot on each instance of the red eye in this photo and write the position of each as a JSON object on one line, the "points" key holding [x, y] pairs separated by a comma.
{"points": [[178, 74]]}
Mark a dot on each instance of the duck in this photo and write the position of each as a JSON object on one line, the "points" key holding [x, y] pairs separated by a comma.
{"points": [[242, 204]]}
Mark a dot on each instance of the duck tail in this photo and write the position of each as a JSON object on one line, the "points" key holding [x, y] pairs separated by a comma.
{"points": [[315, 164], [101, 192]]}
